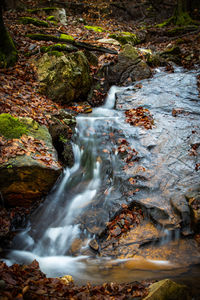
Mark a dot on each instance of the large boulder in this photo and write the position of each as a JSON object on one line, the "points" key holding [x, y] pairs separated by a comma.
{"points": [[64, 77], [29, 165]]}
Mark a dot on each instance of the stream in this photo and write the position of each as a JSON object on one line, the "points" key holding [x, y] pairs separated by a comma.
{"points": [[92, 192]]}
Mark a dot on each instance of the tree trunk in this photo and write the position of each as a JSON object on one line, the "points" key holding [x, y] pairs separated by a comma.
{"points": [[181, 15], [8, 52]]}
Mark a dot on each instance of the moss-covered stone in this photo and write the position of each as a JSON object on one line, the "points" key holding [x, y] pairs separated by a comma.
{"points": [[126, 38], [131, 52], [167, 289], [11, 127], [66, 78], [58, 47], [27, 177], [34, 21], [95, 28]]}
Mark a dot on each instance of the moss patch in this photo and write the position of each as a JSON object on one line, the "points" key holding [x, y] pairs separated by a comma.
{"points": [[48, 37], [34, 21], [11, 127], [58, 47], [95, 28], [51, 18], [66, 37], [125, 38]]}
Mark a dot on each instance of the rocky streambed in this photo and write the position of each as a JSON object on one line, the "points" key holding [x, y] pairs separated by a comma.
{"points": [[128, 208]]}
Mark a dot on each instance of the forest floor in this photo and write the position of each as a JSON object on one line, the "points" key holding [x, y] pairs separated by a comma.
{"points": [[19, 97]]}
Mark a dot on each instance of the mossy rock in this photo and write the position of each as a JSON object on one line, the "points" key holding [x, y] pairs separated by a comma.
{"points": [[34, 21], [11, 127], [126, 38], [131, 52], [58, 47], [65, 78], [168, 290], [95, 28], [25, 178]]}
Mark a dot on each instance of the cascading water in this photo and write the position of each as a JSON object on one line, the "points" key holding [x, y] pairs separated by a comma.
{"points": [[92, 191]]}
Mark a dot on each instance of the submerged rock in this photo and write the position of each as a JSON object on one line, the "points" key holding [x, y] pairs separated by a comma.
{"points": [[64, 78], [168, 289], [29, 164]]}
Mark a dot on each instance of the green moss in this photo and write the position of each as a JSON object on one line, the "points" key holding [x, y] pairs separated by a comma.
{"points": [[51, 18], [95, 28], [58, 47], [66, 37], [56, 53], [165, 23], [45, 9], [125, 38], [11, 127], [34, 21], [48, 37]]}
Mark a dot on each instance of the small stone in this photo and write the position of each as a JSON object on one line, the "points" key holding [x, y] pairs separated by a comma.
{"points": [[94, 245]]}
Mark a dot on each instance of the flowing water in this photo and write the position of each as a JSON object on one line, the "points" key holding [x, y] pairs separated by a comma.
{"points": [[90, 193]]}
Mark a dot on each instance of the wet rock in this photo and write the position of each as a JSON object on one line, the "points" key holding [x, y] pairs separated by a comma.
{"points": [[64, 78], [168, 289], [129, 243], [94, 245], [76, 245], [29, 172], [61, 129], [181, 207]]}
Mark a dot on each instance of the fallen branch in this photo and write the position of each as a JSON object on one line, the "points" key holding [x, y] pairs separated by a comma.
{"points": [[81, 45]]}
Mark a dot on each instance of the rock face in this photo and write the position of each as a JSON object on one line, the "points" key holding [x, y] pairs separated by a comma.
{"points": [[129, 68], [29, 165], [64, 78], [168, 289]]}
